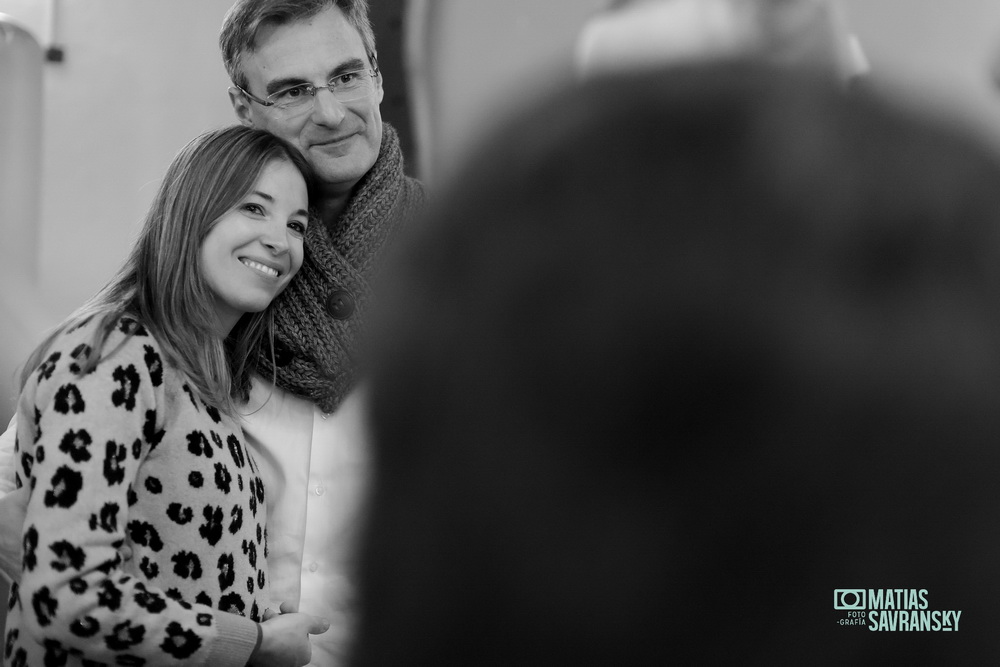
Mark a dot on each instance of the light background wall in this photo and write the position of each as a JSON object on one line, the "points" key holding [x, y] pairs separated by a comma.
{"points": [[140, 78], [941, 53], [490, 55]]}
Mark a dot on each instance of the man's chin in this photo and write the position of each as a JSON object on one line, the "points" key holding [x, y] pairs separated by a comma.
{"points": [[339, 147], [339, 171]]}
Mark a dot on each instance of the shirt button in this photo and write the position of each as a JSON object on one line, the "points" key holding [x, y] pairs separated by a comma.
{"points": [[320, 490], [340, 305], [313, 567]]}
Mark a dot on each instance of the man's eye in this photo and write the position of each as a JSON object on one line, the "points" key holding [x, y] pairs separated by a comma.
{"points": [[289, 94]]}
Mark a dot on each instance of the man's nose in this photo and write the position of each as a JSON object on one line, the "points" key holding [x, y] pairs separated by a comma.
{"points": [[327, 110]]}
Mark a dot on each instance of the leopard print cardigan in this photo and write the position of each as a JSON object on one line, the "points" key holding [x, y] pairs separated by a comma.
{"points": [[144, 536]]}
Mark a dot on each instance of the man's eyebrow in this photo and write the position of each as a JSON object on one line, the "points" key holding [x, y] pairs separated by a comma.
{"points": [[281, 84], [289, 81], [349, 66]]}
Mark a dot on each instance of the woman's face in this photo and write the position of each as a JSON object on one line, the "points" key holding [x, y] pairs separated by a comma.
{"points": [[253, 251]]}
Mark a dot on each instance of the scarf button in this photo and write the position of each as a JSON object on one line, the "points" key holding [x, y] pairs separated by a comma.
{"points": [[340, 305], [282, 355]]}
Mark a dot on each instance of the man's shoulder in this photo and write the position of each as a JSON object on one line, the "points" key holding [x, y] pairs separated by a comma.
{"points": [[415, 189], [414, 182]]}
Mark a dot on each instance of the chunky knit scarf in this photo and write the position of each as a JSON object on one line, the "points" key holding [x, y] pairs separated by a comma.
{"points": [[318, 318]]}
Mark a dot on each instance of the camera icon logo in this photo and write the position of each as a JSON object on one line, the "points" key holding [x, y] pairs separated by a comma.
{"points": [[849, 598]]}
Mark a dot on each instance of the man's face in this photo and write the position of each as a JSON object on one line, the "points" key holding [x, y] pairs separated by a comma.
{"points": [[340, 140]]}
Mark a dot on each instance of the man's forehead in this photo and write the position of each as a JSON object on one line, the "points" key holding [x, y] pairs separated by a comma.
{"points": [[316, 45]]}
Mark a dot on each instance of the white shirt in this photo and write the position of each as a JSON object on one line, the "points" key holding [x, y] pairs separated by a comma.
{"points": [[8, 466], [314, 496]]}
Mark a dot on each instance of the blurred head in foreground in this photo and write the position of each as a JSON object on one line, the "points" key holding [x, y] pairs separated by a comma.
{"points": [[677, 357]]}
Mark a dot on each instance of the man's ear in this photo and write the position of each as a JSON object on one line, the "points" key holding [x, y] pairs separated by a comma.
{"points": [[379, 93], [241, 105]]}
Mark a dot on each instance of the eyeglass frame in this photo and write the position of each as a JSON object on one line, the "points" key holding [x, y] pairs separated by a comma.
{"points": [[374, 70]]}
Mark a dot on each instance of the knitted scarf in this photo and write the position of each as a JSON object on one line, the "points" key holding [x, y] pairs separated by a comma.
{"points": [[314, 349]]}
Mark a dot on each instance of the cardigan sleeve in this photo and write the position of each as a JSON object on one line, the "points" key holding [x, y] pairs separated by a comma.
{"points": [[82, 441]]}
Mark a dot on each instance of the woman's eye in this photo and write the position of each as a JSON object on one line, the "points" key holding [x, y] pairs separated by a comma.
{"points": [[297, 227], [256, 209]]}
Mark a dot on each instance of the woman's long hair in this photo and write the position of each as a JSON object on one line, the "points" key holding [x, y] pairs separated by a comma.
{"points": [[161, 282]]}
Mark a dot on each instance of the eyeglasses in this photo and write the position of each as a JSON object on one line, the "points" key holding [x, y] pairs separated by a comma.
{"points": [[345, 87]]}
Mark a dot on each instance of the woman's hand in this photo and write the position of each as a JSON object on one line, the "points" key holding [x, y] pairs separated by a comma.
{"points": [[285, 608], [285, 639]]}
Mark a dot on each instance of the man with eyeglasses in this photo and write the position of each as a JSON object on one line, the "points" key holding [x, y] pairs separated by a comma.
{"points": [[306, 70]]}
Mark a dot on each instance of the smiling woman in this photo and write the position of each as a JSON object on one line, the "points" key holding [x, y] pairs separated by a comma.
{"points": [[252, 252], [157, 360]]}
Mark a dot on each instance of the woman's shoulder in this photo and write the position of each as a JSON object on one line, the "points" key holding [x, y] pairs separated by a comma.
{"points": [[108, 345], [116, 334]]}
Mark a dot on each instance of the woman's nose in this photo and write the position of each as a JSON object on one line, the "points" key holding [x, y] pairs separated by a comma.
{"points": [[275, 239]]}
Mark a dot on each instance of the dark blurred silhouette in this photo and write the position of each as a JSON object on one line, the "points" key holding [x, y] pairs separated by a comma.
{"points": [[679, 355]]}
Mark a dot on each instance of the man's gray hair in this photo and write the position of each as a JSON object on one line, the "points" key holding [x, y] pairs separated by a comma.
{"points": [[245, 18]]}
